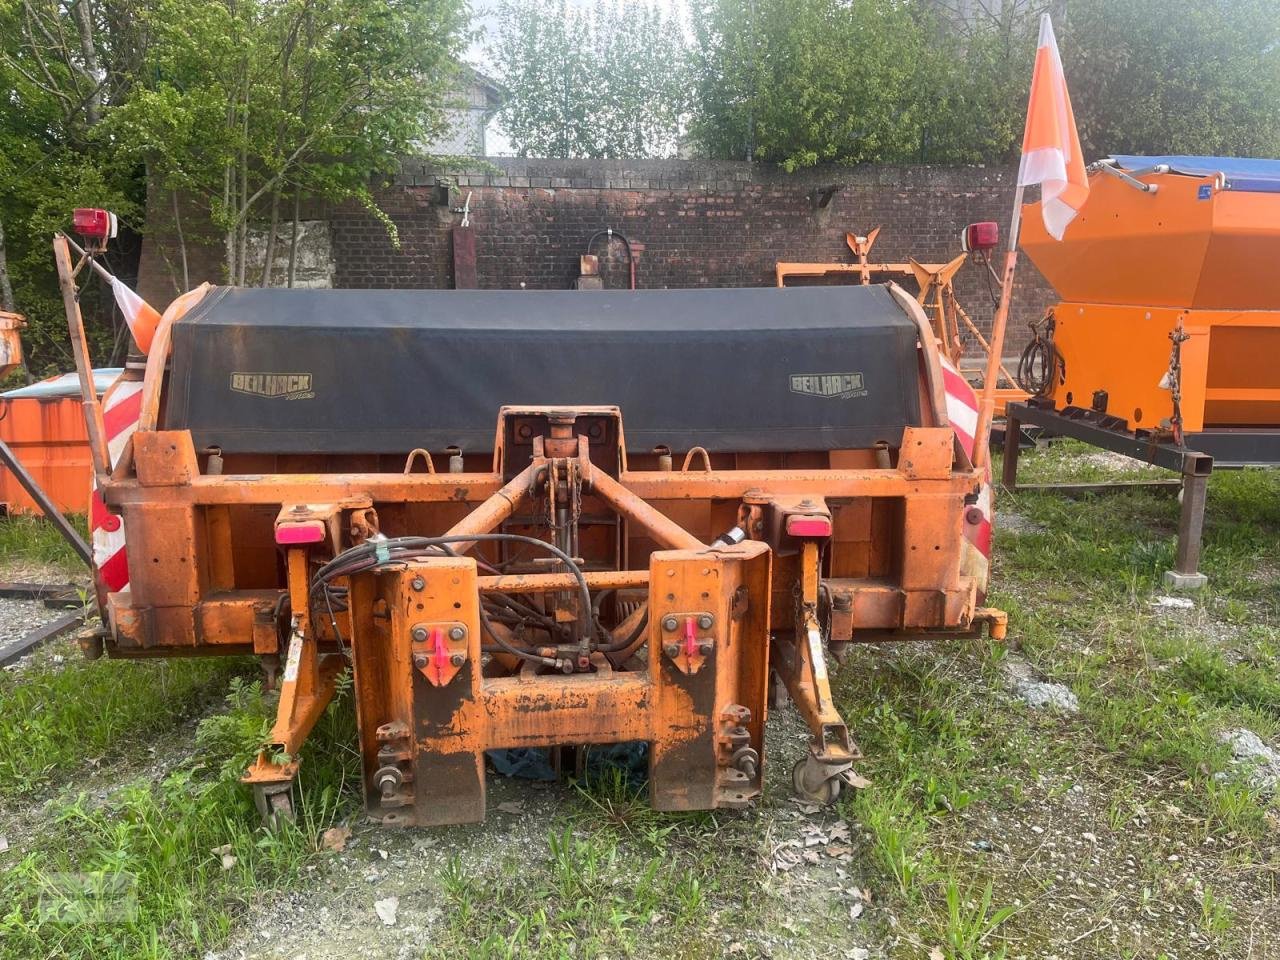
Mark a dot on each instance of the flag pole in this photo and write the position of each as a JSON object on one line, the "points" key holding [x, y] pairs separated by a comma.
{"points": [[99, 454], [987, 407]]}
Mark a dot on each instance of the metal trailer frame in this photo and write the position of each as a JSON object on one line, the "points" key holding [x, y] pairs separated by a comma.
{"points": [[1193, 461], [821, 549], [937, 295]]}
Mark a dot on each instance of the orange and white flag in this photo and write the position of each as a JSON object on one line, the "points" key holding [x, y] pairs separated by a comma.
{"points": [[140, 315], [1051, 153]]}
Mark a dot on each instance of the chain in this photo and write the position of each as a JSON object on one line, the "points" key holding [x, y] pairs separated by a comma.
{"points": [[1174, 381]]}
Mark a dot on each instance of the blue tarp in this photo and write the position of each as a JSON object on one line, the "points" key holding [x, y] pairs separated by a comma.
{"points": [[1242, 173], [65, 385]]}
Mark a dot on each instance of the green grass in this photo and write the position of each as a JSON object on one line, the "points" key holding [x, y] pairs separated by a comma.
{"points": [[163, 844], [55, 717], [610, 877], [948, 754], [586, 895], [31, 541]]}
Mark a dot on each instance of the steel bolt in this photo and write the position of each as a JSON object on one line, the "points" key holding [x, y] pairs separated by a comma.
{"points": [[457, 659], [672, 650], [418, 584], [705, 621], [705, 648], [420, 634], [670, 624], [457, 633], [419, 659]]}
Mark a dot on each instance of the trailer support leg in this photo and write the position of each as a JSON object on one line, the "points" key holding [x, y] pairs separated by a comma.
{"points": [[1012, 434], [1186, 574]]}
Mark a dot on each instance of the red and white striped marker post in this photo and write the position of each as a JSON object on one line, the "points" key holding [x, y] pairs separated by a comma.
{"points": [[121, 406], [962, 411]]}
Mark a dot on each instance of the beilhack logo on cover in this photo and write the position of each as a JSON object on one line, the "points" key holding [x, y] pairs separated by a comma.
{"points": [[290, 386], [834, 386]]}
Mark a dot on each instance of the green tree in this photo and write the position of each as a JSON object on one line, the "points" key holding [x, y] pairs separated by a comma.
{"points": [[247, 106], [53, 156], [607, 82], [803, 82], [1175, 76]]}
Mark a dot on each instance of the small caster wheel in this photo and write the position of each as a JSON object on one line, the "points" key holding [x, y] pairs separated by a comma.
{"points": [[275, 805], [813, 782], [281, 807]]}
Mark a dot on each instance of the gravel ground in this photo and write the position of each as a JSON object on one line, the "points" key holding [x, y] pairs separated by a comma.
{"points": [[20, 617]]}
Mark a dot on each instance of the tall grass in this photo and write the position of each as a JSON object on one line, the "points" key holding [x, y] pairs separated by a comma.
{"points": [[55, 717], [186, 854], [34, 541]]}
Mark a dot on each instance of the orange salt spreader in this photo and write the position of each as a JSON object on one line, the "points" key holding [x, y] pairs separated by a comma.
{"points": [[1166, 345]]}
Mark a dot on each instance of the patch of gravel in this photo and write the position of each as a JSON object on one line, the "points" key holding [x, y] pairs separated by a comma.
{"points": [[807, 864], [1258, 763], [20, 617], [1010, 521], [1036, 693], [1118, 462]]}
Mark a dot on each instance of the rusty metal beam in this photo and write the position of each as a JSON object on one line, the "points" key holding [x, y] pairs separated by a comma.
{"points": [[279, 488], [551, 582], [275, 489], [495, 509], [17, 649], [94, 424], [833, 484], [664, 530]]}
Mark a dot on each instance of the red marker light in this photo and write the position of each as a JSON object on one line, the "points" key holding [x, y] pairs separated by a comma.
{"points": [[980, 237], [799, 525], [439, 656], [93, 223], [295, 534]]}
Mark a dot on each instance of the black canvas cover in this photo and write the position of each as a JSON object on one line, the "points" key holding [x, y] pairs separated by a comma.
{"points": [[384, 371]]}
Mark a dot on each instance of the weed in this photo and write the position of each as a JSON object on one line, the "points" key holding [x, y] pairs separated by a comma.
{"points": [[970, 920], [185, 853], [32, 541], [593, 897], [54, 718], [1216, 915], [898, 832]]}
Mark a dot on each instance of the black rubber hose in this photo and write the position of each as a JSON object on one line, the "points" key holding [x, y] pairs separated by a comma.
{"points": [[356, 559]]}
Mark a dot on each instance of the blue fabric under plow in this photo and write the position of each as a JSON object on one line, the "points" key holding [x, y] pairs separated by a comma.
{"points": [[534, 763], [1247, 174]]}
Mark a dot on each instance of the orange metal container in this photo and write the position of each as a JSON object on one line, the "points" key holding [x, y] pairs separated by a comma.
{"points": [[1192, 259], [44, 426]]}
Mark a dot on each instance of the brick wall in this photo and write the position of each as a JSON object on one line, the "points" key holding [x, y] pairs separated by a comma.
{"points": [[692, 223]]}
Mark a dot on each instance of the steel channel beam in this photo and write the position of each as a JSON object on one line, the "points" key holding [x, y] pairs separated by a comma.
{"points": [[64, 527], [1162, 454], [551, 582], [1238, 446], [17, 649], [53, 594]]}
